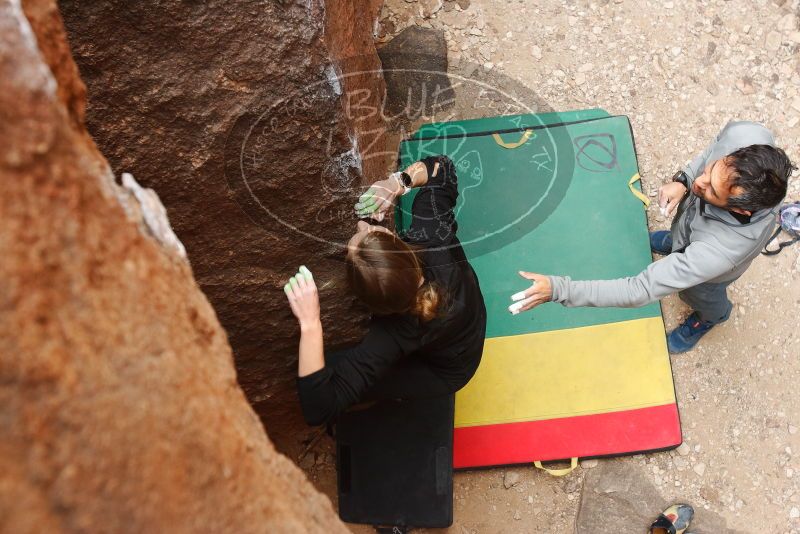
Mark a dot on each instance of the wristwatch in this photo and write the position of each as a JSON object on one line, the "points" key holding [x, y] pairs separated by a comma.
{"points": [[404, 179], [681, 178]]}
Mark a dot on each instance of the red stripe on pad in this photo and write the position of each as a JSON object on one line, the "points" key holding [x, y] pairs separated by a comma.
{"points": [[623, 432]]}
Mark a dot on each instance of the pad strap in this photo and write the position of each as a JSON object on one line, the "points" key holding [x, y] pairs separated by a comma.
{"points": [[558, 472], [527, 134], [638, 194]]}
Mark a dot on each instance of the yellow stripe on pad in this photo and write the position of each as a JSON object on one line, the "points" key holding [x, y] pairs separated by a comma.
{"points": [[564, 373]]}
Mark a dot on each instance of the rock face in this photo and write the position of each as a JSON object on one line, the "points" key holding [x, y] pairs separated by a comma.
{"points": [[256, 123], [119, 407]]}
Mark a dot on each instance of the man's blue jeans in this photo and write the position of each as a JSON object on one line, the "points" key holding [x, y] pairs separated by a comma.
{"points": [[710, 301]]}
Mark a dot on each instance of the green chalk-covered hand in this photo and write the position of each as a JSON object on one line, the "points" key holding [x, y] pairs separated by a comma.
{"points": [[303, 298], [379, 198]]}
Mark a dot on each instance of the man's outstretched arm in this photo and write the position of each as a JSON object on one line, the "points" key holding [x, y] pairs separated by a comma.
{"points": [[699, 263]]}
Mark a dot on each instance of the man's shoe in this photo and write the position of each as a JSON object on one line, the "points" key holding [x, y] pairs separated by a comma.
{"points": [[686, 336], [661, 242], [674, 520]]}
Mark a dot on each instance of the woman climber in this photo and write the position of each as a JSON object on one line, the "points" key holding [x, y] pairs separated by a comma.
{"points": [[428, 321]]}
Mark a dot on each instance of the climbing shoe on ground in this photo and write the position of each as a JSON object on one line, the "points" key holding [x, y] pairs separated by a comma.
{"points": [[661, 242], [686, 336], [674, 520]]}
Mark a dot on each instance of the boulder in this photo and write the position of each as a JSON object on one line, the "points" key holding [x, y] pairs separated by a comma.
{"points": [[415, 68], [257, 123], [119, 406], [618, 497]]}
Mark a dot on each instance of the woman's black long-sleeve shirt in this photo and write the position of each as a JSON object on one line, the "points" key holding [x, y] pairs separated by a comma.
{"points": [[450, 345]]}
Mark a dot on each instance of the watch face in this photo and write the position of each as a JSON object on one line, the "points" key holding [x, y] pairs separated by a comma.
{"points": [[406, 178], [681, 177]]}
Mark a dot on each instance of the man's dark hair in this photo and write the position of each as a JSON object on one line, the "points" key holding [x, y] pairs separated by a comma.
{"points": [[762, 171]]}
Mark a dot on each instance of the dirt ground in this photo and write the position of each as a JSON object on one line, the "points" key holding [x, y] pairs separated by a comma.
{"points": [[680, 70]]}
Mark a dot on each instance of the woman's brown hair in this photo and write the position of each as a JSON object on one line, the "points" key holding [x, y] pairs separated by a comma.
{"points": [[385, 272]]}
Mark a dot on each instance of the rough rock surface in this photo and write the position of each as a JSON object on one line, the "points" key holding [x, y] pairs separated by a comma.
{"points": [[619, 498], [119, 407], [256, 124]]}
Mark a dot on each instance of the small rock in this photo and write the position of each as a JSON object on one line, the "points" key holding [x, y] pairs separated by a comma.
{"points": [[536, 52], [794, 37], [711, 87], [700, 468], [475, 31], [745, 86], [794, 513], [517, 515], [792, 430], [589, 464], [580, 78], [463, 4], [683, 449], [427, 8], [796, 103], [573, 484], [773, 41], [788, 22], [510, 479]]}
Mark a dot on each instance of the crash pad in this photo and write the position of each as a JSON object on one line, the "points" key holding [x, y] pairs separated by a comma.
{"points": [[552, 194]]}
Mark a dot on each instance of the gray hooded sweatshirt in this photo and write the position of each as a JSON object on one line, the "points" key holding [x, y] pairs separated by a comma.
{"points": [[708, 243]]}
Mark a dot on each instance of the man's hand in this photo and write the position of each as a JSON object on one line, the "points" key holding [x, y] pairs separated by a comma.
{"points": [[303, 299], [379, 198], [669, 196], [540, 292]]}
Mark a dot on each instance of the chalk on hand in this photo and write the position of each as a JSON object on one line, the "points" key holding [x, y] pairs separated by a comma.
{"points": [[517, 306], [518, 296], [287, 289], [305, 272]]}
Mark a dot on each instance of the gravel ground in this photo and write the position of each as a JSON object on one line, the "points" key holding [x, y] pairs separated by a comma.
{"points": [[680, 70]]}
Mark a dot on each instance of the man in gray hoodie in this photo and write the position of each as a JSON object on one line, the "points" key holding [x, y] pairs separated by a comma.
{"points": [[727, 199]]}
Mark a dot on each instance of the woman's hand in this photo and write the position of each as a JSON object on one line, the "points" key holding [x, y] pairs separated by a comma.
{"points": [[303, 299], [669, 196], [540, 292], [379, 198]]}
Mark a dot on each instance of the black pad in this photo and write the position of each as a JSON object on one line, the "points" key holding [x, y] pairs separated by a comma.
{"points": [[395, 463]]}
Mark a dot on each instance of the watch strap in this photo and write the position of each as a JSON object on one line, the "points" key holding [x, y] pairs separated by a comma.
{"points": [[681, 178]]}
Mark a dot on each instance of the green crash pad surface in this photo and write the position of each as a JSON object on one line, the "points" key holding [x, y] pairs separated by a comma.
{"points": [[525, 208], [506, 122]]}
